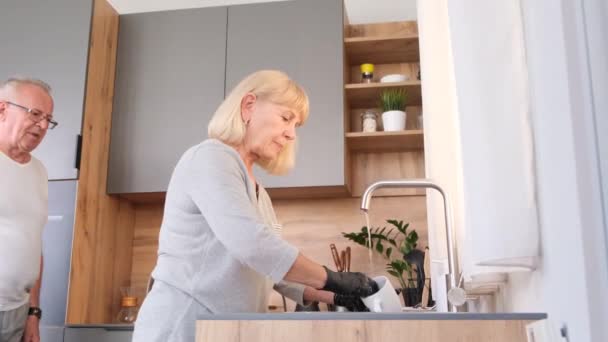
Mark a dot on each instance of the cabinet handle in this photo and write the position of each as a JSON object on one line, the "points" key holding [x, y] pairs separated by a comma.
{"points": [[78, 151]]}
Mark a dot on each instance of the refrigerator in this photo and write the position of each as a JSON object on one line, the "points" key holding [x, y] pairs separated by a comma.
{"points": [[56, 250]]}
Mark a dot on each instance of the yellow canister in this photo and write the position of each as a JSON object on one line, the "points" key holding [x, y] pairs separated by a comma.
{"points": [[367, 72]]}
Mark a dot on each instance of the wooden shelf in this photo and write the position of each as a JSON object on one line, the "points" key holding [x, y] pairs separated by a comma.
{"points": [[382, 49], [400, 141], [367, 95]]}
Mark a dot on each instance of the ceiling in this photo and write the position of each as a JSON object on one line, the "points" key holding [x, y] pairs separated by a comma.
{"points": [[359, 11]]}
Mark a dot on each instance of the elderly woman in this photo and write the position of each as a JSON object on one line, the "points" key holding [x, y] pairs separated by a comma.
{"points": [[217, 250]]}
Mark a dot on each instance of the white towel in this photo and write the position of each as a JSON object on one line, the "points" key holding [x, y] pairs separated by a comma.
{"points": [[500, 211]]}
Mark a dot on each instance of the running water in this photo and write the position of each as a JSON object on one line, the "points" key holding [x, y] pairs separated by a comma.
{"points": [[369, 239]]}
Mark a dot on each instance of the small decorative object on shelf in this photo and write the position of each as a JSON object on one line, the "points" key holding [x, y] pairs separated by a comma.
{"points": [[394, 78], [368, 121], [128, 306], [393, 107], [367, 73]]}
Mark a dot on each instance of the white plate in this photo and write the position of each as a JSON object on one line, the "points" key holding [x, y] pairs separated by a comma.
{"points": [[393, 78]]}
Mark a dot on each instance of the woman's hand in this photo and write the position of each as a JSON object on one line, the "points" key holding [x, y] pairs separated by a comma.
{"points": [[351, 303], [350, 283]]}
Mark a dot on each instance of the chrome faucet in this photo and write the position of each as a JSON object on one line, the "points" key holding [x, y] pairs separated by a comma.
{"points": [[427, 184]]}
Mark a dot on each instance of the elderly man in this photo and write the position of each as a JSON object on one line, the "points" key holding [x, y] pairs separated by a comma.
{"points": [[26, 108]]}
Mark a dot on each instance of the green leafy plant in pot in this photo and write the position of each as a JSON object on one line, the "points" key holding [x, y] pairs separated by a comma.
{"points": [[392, 102], [398, 246]]}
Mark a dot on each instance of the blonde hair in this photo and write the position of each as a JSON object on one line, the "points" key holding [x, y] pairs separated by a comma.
{"points": [[274, 86]]}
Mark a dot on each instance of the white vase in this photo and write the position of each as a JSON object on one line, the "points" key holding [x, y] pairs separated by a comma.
{"points": [[393, 120]]}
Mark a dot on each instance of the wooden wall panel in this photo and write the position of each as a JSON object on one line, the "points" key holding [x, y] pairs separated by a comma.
{"points": [[371, 167], [310, 224], [362, 331], [148, 218], [103, 225]]}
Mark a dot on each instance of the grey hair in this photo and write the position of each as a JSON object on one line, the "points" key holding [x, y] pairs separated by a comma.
{"points": [[16, 81]]}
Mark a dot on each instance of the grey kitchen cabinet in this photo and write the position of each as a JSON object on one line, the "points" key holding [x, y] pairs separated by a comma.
{"points": [[169, 82], [303, 38], [51, 333], [49, 40], [57, 250], [93, 334]]}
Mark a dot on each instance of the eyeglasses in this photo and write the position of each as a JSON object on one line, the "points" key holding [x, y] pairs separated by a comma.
{"points": [[36, 115]]}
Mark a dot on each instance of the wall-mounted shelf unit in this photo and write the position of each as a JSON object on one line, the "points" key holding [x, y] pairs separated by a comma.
{"points": [[401, 141], [383, 49], [363, 95], [393, 49]]}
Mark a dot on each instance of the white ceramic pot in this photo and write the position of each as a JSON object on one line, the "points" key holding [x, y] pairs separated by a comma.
{"points": [[393, 120]]}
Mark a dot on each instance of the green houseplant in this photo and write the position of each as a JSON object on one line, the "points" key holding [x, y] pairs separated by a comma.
{"points": [[392, 102], [398, 246]]}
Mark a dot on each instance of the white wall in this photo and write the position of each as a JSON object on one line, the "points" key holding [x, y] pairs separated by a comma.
{"points": [[573, 281], [568, 82], [596, 12], [561, 279], [374, 11]]}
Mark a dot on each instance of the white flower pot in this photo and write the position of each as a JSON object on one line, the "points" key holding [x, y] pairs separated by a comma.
{"points": [[393, 120]]}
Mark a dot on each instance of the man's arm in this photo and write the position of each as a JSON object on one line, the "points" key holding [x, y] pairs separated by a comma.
{"points": [[35, 291], [32, 324]]}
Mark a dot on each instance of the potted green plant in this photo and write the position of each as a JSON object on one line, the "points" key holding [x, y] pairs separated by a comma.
{"points": [[392, 102], [398, 246]]}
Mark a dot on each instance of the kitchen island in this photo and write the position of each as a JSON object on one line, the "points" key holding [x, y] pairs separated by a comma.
{"points": [[366, 327]]}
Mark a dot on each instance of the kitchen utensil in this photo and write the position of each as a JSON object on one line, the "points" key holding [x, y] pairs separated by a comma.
{"points": [[310, 307], [427, 274], [343, 260], [335, 308], [348, 259], [385, 300], [336, 256]]}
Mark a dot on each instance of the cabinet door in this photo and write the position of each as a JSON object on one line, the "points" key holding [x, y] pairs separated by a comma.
{"points": [[50, 333], [169, 82], [304, 39], [57, 249], [97, 335], [49, 40]]}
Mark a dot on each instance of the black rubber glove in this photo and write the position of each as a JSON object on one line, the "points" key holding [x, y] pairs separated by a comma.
{"points": [[350, 283], [351, 303]]}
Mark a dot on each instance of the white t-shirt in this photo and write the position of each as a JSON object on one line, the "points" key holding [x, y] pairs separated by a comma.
{"points": [[23, 214]]}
